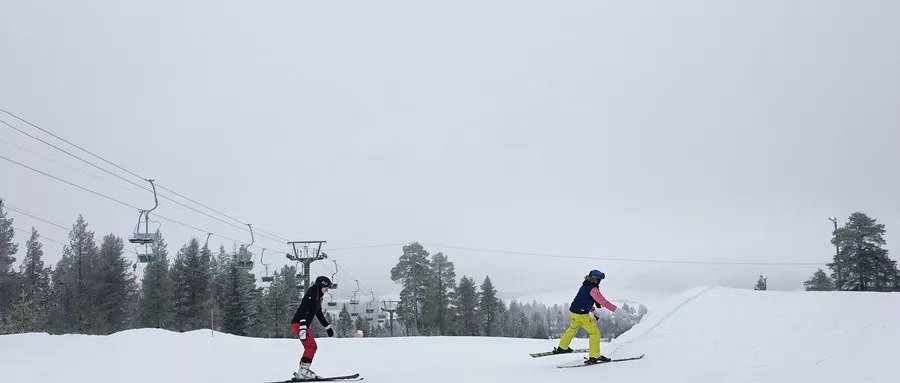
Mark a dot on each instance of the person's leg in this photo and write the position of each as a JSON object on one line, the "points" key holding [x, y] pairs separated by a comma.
{"points": [[593, 336], [309, 352], [574, 324], [309, 347]]}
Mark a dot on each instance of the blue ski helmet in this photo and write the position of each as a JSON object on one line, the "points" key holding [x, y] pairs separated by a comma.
{"points": [[597, 274]]}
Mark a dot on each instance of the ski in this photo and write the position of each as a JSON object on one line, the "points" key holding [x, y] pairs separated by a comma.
{"points": [[345, 378], [548, 353], [593, 364]]}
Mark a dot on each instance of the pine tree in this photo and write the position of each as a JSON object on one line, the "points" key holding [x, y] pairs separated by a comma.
{"points": [[760, 284], [467, 305], [156, 287], [538, 327], [239, 297], [190, 279], [74, 288], [219, 267], [642, 310], [9, 283], [819, 282], [489, 307], [862, 262], [115, 284], [515, 323], [23, 316], [443, 282], [35, 284], [360, 325], [345, 323], [413, 271]]}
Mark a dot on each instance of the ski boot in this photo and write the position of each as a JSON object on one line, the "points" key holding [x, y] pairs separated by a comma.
{"points": [[557, 350], [601, 359], [305, 373]]}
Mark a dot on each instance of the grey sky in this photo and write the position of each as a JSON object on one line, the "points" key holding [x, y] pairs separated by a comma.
{"points": [[702, 130]]}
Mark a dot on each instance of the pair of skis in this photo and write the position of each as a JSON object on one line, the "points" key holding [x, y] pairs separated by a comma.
{"points": [[344, 378], [584, 364]]}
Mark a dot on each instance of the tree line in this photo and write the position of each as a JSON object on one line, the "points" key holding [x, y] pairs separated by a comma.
{"points": [[93, 289], [433, 302]]}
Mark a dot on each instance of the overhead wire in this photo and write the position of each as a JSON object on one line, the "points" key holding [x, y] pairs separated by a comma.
{"points": [[42, 236], [642, 260], [266, 234], [68, 166], [172, 220]]}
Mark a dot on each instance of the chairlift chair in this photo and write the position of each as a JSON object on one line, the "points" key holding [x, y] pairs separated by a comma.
{"points": [[354, 301], [145, 237], [265, 278], [246, 264]]}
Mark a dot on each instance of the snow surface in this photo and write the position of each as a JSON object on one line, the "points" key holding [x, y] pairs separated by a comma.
{"points": [[707, 334]]}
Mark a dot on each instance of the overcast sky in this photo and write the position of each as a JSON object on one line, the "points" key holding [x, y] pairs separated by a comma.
{"points": [[690, 130]]}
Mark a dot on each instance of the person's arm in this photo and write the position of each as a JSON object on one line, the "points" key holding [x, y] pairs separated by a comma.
{"points": [[601, 300]]}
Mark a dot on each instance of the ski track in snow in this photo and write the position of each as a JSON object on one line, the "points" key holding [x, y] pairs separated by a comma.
{"points": [[658, 322]]}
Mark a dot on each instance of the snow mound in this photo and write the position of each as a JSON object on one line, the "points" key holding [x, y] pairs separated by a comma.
{"points": [[706, 334]]}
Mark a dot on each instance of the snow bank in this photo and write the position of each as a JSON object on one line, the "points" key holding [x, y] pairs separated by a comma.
{"points": [[706, 334]]}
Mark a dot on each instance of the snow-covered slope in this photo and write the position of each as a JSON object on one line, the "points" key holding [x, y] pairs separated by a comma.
{"points": [[703, 335]]}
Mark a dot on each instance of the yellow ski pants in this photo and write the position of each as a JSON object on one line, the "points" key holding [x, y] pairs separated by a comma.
{"points": [[587, 322]]}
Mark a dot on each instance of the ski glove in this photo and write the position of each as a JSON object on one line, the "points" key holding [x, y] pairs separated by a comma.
{"points": [[330, 331], [301, 331]]}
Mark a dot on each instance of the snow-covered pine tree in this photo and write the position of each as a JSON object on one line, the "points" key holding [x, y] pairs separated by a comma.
{"points": [[413, 271], [115, 285], [443, 282], [33, 306], [467, 306], [819, 282], [9, 292], [489, 307], [344, 327], [219, 266], [288, 298], [515, 323], [538, 327], [238, 299], [360, 324], [642, 310], [74, 288], [190, 281], [156, 287], [760, 284], [862, 262]]}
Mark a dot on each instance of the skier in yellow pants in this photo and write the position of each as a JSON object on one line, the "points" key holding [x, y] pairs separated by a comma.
{"points": [[582, 315]]}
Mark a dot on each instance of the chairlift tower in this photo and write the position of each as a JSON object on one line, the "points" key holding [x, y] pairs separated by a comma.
{"points": [[390, 307], [306, 252]]}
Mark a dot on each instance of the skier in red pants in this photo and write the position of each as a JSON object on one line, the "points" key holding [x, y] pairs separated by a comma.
{"points": [[310, 307]]}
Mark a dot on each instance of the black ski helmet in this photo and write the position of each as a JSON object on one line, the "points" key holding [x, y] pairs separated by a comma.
{"points": [[323, 281]]}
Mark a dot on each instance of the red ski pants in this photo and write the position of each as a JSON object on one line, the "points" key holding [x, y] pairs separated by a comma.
{"points": [[309, 344]]}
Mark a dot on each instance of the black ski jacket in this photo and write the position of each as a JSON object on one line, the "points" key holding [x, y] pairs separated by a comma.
{"points": [[310, 306]]}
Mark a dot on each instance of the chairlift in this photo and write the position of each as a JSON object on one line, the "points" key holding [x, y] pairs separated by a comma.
{"points": [[145, 237], [265, 278], [246, 264], [331, 302], [369, 309], [355, 301]]}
